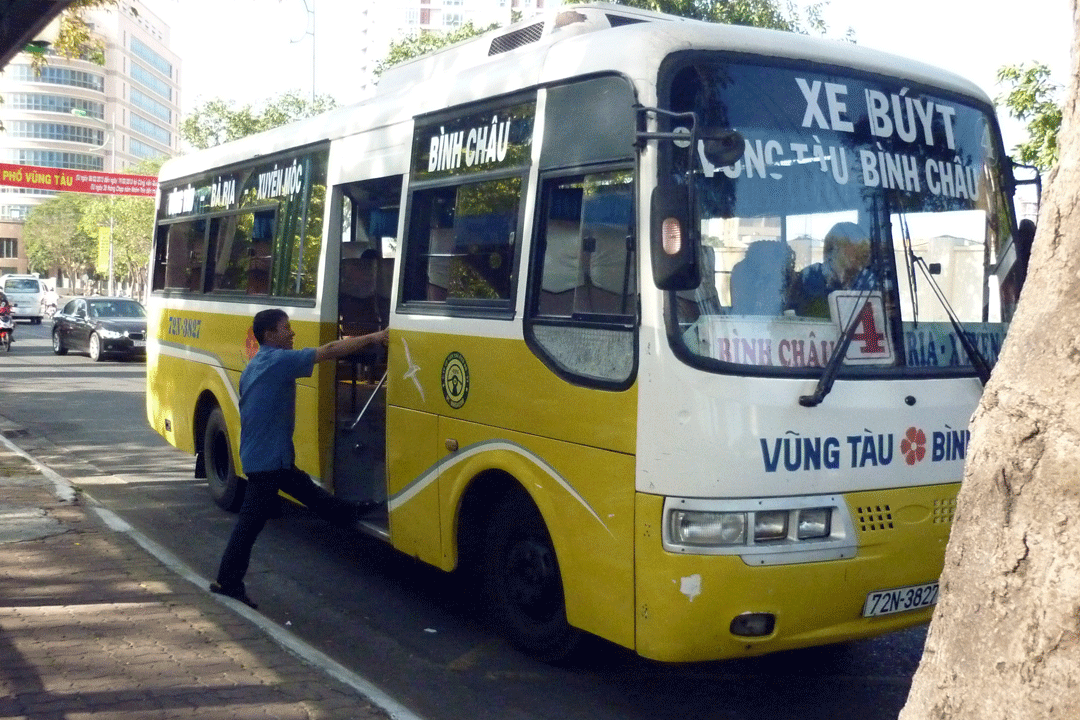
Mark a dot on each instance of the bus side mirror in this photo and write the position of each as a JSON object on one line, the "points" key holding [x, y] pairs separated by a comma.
{"points": [[723, 148], [674, 239], [1025, 237]]}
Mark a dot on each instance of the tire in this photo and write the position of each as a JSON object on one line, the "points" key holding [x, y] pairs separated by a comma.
{"points": [[94, 348], [57, 343], [226, 487], [522, 583], [6, 341]]}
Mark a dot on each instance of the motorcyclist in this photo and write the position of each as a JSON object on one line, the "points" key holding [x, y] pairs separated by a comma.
{"points": [[5, 312], [49, 300]]}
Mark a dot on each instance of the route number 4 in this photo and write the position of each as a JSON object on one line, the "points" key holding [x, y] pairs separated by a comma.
{"points": [[870, 341]]}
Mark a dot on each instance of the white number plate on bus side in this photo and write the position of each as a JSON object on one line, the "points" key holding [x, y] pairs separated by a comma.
{"points": [[912, 597]]}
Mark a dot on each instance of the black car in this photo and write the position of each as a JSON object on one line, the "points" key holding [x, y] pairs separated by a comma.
{"points": [[100, 326]]}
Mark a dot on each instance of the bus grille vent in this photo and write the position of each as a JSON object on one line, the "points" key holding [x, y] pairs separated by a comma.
{"points": [[944, 510], [620, 20], [876, 517], [516, 39]]}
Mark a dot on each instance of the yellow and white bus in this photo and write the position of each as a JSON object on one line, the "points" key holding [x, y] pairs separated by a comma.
{"points": [[587, 234]]}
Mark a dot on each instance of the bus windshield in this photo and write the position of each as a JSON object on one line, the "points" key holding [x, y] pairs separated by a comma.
{"points": [[861, 203]]}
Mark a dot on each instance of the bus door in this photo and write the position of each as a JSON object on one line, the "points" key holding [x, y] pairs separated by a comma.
{"points": [[368, 247]]}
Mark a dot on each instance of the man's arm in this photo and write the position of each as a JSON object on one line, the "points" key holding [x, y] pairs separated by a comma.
{"points": [[347, 346]]}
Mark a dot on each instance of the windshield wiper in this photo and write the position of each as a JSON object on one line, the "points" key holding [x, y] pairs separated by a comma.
{"points": [[982, 367], [836, 359]]}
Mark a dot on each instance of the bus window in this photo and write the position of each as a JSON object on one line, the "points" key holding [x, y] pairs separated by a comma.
{"points": [[238, 265], [585, 296], [368, 246], [462, 242], [180, 256], [235, 267]]}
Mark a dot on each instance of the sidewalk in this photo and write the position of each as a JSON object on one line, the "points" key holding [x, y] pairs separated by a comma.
{"points": [[92, 624]]}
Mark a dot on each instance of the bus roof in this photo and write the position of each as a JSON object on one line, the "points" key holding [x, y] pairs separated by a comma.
{"points": [[568, 41]]}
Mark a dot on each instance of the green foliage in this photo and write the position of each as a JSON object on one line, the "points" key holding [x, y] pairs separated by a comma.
{"points": [[132, 222], [76, 38], [774, 14], [55, 238], [62, 232], [1033, 99], [218, 121], [424, 42]]}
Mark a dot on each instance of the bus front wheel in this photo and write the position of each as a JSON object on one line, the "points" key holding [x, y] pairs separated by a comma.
{"points": [[522, 583], [226, 487]]}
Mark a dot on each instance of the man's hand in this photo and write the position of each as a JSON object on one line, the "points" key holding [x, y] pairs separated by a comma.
{"points": [[349, 345]]}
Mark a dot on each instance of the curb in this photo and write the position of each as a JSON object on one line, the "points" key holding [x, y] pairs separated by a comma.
{"points": [[65, 492]]}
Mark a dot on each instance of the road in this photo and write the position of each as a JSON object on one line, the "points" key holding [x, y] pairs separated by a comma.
{"points": [[409, 629]]}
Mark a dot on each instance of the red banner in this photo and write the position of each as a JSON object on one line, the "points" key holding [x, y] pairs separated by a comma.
{"points": [[84, 181]]}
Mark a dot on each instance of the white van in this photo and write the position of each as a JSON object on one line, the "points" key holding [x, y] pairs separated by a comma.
{"points": [[25, 293]]}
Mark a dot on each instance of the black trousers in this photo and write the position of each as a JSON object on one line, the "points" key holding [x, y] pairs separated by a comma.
{"points": [[261, 502]]}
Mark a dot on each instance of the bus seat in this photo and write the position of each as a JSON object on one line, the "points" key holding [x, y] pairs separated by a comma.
{"points": [[562, 268], [605, 257]]}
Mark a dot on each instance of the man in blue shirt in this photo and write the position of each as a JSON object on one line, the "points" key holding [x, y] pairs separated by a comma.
{"points": [[267, 421]]}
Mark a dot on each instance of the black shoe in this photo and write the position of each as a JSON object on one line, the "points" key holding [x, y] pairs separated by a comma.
{"points": [[237, 593]]}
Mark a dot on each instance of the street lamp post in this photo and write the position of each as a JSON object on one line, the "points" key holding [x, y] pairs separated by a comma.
{"points": [[110, 134]]}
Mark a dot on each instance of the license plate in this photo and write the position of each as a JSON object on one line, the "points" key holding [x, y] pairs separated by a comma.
{"points": [[138, 343], [902, 599]]}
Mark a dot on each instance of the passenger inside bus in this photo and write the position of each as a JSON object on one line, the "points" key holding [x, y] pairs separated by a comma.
{"points": [[762, 280], [845, 266]]}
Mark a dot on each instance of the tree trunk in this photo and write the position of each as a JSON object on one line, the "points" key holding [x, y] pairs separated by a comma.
{"points": [[1005, 638]]}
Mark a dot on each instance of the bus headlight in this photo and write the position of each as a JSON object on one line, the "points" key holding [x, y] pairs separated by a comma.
{"points": [[770, 525], [763, 531], [814, 523], [708, 528]]}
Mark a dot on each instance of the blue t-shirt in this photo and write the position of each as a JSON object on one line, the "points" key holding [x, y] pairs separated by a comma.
{"points": [[268, 407]]}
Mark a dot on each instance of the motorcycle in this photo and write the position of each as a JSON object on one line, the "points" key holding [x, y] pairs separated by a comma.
{"points": [[7, 327]]}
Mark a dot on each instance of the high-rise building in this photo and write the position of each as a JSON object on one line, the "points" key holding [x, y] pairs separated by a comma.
{"points": [[79, 115]]}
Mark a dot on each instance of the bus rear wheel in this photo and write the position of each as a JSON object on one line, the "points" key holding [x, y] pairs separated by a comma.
{"points": [[522, 583], [226, 487]]}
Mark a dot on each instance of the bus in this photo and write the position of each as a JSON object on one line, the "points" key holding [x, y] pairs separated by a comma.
{"points": [[602, 401]]}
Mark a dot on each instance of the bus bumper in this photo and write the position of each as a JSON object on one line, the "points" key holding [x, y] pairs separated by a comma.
{"points": [[686, 602]]}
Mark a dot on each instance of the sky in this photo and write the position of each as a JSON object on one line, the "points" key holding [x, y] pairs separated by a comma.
{"points": [[272, 41]]}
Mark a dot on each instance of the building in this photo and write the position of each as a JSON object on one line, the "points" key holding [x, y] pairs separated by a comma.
{"points": [[385, 22], [79, 115]]}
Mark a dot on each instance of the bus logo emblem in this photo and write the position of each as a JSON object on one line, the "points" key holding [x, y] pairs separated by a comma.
{"points": [[913, 446], [455, 380]]}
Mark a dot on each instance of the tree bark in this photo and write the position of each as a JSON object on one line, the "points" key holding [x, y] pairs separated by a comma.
{"points": [[1005, 638]]}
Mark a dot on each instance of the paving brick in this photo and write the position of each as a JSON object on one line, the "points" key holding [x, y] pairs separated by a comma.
{"points": [[91, 626]]}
